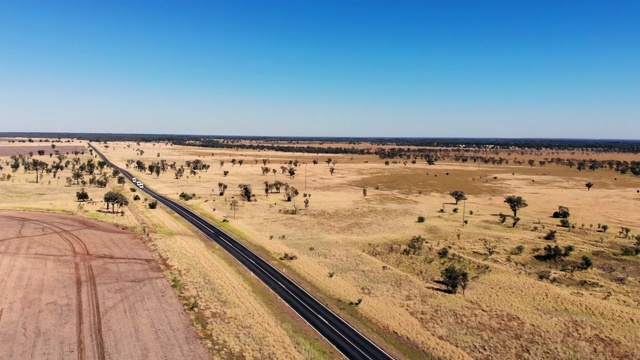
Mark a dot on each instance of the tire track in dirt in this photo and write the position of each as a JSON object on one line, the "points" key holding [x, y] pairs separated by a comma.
{"points": [[28, 236], [95, 323], [93, 301], [20, 229], [91, 256], [96, 320]]}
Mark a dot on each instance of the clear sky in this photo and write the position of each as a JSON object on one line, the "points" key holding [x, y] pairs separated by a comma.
{"points": [[516, 68]]}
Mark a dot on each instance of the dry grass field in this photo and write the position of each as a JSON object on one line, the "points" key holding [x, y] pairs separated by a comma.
{"points": [[235, 316], [348, 246]]}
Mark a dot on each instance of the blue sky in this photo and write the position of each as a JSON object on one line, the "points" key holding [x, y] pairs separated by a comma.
{"points": [[518, 68]]}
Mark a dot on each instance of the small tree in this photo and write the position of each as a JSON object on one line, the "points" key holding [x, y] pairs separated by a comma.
{"points": [[234, 207], [589, 185], [222, 188], [245, 192], [458, 195], [515, 203], [604, 228], [114, 198], [153, 204], [455, 278], [290, 192], [586, 262], [82, 195]]}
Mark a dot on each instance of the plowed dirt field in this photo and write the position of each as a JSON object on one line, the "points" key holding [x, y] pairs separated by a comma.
{"points": [[74, 288]]}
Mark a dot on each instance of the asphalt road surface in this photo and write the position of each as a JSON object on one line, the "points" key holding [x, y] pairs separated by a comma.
{"points": [[351, 343]]}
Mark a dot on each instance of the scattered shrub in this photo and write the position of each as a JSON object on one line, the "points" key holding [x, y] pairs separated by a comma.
{"points": [[555, 252], [562, 213], [153, 204], [414, 246], [586, 262], [630, 251], [288, 256], [551, 235], [421, 219], [518, 250], [443, 253], [491, 248]]}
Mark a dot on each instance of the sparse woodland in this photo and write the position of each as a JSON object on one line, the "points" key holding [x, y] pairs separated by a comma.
{"points": [[512, 249]]}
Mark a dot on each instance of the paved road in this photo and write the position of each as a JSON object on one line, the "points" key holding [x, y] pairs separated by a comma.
{"points": [[351, 343]]}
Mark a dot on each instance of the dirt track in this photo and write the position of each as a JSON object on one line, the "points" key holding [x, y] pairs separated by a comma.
{"points": [[73, 288]]}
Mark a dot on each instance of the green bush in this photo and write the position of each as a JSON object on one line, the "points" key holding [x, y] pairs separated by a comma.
{"points": [[455, 278], [421, 219], [186, 197], [153, 204], [518, 250]]}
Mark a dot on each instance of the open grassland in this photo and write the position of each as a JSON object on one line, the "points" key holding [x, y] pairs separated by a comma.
{"points": [[353, 248], [235, 316]]}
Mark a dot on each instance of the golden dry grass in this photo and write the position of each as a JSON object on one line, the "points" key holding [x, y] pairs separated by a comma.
{"points": [[235, 318], [507, 312]]}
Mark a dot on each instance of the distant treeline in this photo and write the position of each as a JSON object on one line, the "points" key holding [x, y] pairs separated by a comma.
{"points": [[290, 144], [274, 147]]}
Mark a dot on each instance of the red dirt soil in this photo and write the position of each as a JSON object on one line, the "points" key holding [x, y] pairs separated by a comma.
{"points": [[75, 288], [10, 150]]}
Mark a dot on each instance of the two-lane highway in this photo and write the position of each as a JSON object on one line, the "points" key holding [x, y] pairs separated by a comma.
{"points": [[349, 341]]}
